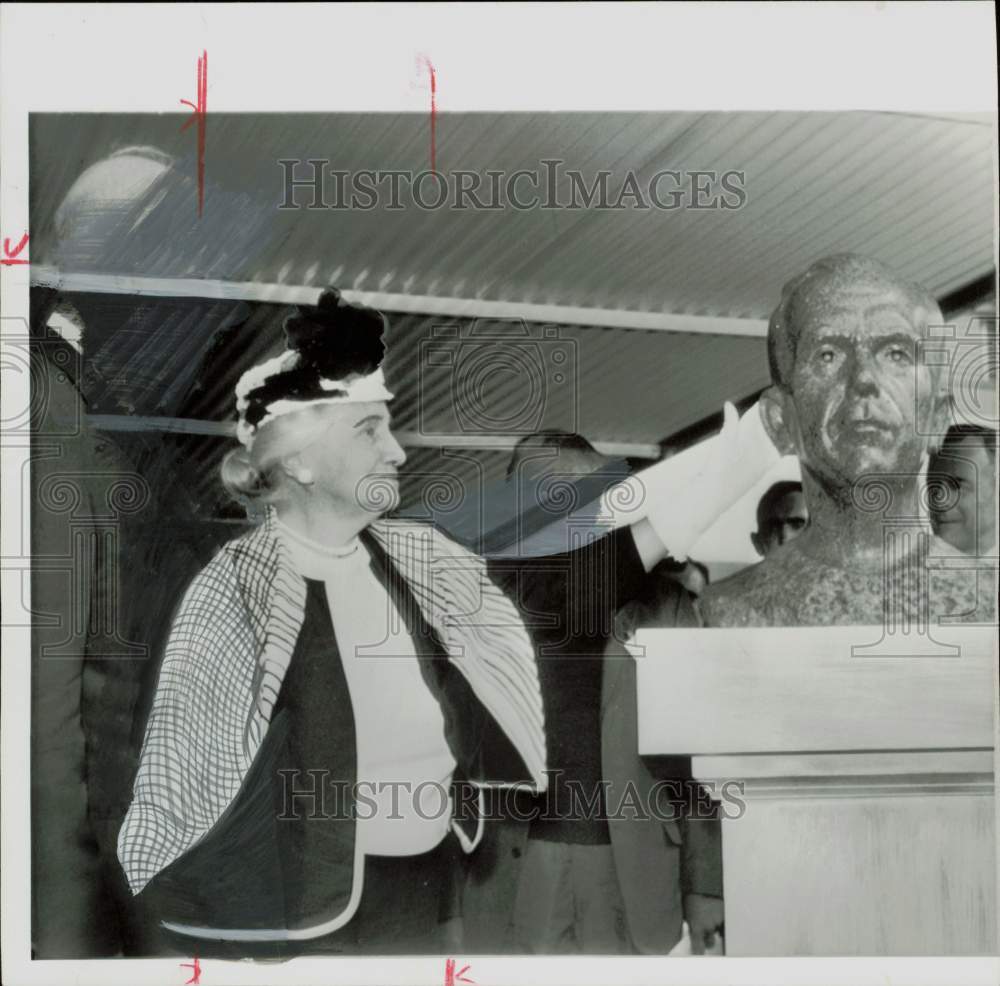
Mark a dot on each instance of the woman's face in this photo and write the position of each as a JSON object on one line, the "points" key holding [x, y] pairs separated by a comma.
{"points": [[351, 456]]}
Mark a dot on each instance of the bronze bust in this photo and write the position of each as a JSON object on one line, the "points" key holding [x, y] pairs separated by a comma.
{"points": [[852, 397]]}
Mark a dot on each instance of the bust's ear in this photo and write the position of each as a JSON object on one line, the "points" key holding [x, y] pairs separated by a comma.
{"points": [[778, 415]]}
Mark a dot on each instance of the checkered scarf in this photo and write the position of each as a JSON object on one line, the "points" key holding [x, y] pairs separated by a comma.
{"points": [[230, 646]]}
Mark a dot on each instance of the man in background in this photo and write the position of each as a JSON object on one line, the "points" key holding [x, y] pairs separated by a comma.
{"points": [[72, 581], [964, 511], [554, 452], [572, 872], [781, 515]]}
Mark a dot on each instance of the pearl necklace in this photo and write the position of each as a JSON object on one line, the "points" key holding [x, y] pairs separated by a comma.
{"points": [[319, 549]]}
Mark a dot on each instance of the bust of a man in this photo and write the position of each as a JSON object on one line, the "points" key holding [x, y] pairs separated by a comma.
{"points": [[853, 399]]}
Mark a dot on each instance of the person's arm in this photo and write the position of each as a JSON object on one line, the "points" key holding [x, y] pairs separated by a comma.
{"points": [[648, 544], [552, 590], [674, 514], [602, 576]]}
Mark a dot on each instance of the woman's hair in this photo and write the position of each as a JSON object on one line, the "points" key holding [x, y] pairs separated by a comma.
{"points": [[245, 481], [254, 476]]}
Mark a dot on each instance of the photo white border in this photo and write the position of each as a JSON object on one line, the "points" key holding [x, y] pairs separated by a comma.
{"points": [[923, 58]]}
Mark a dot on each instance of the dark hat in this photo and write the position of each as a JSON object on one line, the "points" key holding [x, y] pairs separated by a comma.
{"points": [[334, 355]]}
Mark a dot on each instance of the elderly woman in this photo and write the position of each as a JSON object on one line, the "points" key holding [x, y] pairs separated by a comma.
{"points": [[328, 681]]}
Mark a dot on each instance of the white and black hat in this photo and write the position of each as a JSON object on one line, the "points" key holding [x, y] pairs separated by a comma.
{"points": [[334, 356]]}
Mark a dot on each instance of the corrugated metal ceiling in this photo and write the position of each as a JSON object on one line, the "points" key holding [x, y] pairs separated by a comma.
{"points": [[917, 192]]}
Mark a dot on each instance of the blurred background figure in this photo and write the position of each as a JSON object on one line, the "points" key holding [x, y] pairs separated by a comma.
{"points": [[73, 575], [781, 516], [964, 513], [539, 454], [549, 500], [129, 555]]}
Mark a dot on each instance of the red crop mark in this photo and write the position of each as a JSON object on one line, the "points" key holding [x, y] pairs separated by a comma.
{"points": [[451, 977], [433, 76], [10, 257], [195, 965], [201, 115]]}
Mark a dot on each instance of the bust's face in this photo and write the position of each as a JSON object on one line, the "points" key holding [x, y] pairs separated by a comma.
{"points": [[863, 400]]}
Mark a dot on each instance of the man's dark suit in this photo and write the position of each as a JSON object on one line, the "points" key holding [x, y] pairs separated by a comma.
{"points": [[658, 860]]}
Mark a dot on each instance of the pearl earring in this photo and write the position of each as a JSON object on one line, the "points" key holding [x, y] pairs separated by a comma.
{"points": [[305, 477]]}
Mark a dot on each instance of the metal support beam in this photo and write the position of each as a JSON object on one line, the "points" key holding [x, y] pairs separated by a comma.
{"points": [[981, 289], [290, 294], [408, 439]]}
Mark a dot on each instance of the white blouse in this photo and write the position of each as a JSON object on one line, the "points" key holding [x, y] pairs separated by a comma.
{"points": [[404, 765]]}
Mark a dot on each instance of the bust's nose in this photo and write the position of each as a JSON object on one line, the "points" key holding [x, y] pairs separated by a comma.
{"points": [[862, 378]]}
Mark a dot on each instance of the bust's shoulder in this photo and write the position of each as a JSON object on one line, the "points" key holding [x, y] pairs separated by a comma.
{"points": [[961, 586], [790, 588], [781, 563], [745, 597]]}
